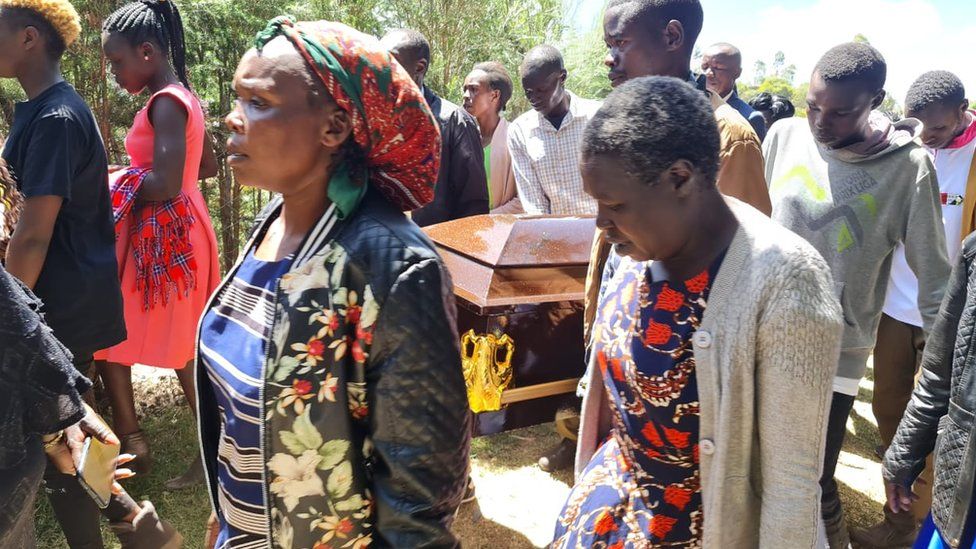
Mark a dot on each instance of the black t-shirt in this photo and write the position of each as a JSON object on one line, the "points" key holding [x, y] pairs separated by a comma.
{"points": [[54, 149]]}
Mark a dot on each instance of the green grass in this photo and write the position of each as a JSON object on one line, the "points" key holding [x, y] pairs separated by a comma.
{"points": [[172, 433]]}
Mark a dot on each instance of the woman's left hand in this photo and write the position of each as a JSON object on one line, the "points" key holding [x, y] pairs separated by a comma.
{"points": [[66, 455], [900, 498]]}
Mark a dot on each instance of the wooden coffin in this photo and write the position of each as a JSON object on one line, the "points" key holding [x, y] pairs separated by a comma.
{"points": [[519, 284]]}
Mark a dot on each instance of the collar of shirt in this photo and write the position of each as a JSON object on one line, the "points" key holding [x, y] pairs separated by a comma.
{"points": [[573, 114]]}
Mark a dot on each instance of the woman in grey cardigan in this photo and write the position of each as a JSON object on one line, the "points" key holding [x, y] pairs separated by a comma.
{"points": [[713, 324]]}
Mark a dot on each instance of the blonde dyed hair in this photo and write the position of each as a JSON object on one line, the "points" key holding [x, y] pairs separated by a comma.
{"points": [[59, 13]]}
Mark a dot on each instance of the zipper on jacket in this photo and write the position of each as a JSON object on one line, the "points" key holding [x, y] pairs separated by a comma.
{"points": [[201, 370], [313, 250], [264, 414]]}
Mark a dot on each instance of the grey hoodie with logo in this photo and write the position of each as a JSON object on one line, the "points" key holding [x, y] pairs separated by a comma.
{"points": [[855, 205]]}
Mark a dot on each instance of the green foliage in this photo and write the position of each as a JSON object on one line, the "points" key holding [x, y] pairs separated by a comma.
{"points": [[778, 86], [777, 78], [218, 33], [759, 70], [892, 108], [799, 99], [10, 94], [462, 33], [584, 54], [777, 69], [781, 69]]}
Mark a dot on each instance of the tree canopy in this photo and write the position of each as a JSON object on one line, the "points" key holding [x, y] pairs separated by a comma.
{"points": [[218, 32]]}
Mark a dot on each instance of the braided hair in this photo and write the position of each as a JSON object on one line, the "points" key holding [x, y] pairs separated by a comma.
{"points": [[155, 21]]}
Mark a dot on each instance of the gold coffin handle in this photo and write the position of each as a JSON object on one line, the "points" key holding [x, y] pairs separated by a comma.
{"points": [[485, 375]]}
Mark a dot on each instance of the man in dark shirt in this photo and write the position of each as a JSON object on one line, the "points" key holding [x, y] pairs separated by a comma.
{"points": [[63, 246], [462, 186], [721, 66]]}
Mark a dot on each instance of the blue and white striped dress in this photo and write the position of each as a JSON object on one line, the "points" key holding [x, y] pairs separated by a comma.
{"points": [[233, 344]]}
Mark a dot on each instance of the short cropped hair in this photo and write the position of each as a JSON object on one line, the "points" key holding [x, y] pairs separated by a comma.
{"points": [[729, 50], [413, 41], [687, 12], [854, 62], [935, 87], [649, 123], [542, 59], [498, 79]]}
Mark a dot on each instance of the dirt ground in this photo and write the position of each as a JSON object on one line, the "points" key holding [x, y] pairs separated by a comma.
{"points": [[517, 503]]}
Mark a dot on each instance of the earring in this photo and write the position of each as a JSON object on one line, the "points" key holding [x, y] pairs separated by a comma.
{"points": [[146, 58]]}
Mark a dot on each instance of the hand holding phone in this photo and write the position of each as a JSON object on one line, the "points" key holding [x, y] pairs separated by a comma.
{"points": [[66, 454], [90, 426], [87, 450], [96, 472]]}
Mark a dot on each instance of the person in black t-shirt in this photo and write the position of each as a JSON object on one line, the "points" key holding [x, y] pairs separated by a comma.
{"points": [[63, 246]]}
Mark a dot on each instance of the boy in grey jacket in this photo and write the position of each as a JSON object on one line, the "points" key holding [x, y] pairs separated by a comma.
{"points": [[855, 186]]}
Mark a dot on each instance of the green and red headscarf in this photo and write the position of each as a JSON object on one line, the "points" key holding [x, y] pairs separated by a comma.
{"points": [[391, 121]]}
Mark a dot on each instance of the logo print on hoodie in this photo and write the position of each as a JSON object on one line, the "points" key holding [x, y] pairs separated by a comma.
{"points": [[857, 207]]}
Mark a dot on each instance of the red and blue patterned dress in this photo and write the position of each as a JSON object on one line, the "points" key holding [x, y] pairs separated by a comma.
{"points": [[642, 487]]}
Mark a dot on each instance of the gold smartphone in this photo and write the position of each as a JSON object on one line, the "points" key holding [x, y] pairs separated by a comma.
{"points": [[97, 470]]}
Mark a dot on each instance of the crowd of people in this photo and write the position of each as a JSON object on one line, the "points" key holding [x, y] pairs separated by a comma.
{"points": [[746, 266]]}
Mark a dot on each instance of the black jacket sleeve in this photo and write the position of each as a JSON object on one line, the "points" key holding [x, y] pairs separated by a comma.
{"points": [[917, 432], [466, 171], [420, 422], [40, 390]]}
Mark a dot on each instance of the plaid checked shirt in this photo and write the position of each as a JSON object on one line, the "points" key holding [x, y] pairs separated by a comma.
{"points": [[546, 160]]}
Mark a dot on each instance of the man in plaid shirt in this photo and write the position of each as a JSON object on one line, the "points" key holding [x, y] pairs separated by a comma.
{"points": [[544, 142]]}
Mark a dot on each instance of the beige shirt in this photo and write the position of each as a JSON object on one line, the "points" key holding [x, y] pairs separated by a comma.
{"points": [[741, 172], [502, 178], [765, 356]]}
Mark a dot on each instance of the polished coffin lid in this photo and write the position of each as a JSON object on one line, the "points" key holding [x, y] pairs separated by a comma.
{"points": [[504, 259]]}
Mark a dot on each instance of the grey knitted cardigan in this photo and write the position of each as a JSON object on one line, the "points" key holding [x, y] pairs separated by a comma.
{"points": [[766, 353]]}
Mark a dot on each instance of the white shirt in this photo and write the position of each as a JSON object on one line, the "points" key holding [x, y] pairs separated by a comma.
{"points": [[546, 160], [952, 168]]}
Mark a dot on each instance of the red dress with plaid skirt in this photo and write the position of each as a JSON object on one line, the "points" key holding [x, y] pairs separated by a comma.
{"points": [[164, 335]]}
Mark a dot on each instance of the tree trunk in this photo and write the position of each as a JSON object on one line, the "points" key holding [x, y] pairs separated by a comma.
{"points": [[236, 215], [105, 121], [228, 236]]}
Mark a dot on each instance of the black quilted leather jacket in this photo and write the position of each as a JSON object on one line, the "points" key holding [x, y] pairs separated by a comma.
{"points": [[940, 414], [367, 429]]}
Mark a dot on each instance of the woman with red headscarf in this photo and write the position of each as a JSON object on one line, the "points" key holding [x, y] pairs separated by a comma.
{"points": [[332, 404]]}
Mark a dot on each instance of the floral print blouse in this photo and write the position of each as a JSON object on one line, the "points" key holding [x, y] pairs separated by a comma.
{"points": [[364, 428], [642, 487]]}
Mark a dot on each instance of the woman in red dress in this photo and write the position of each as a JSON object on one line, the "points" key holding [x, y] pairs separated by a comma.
{"points": [[143, 43]]}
